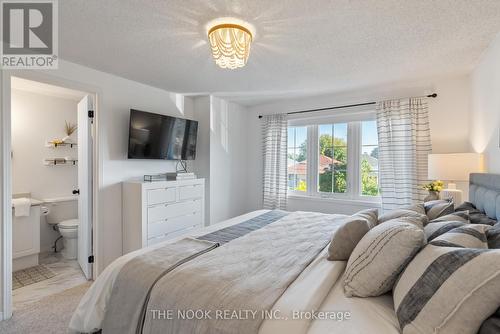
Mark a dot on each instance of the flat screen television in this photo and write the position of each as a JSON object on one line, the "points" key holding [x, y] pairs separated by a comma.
{"points": [[155, 136]]}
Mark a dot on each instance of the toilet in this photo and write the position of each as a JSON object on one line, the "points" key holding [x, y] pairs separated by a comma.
{"points": [[61, 214], [69, 232]]}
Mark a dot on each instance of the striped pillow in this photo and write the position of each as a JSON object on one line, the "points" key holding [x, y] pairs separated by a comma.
{"points": [[438, 208], [469, 236], [448, 290], [456, 216], [434, 230], [379, 258]]}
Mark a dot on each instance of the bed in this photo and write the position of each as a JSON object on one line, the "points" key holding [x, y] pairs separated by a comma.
{"points": [[312, 302], [316, 288]]}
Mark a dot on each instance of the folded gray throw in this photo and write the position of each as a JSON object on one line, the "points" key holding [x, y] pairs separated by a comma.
{"points": [[132, 286]]}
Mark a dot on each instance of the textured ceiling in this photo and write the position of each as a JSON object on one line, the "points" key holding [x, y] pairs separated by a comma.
{"points": [[301, 47]]}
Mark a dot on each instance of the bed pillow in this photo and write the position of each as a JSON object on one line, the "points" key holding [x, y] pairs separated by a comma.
{"points": [[398, 213], [493, 235], [346, 237], [491, 325], [418, 208], [462, 216], [434, 230], [438, 208], [476, 216], [379, 258], [469, 236], [370, 215], [448, 290]]}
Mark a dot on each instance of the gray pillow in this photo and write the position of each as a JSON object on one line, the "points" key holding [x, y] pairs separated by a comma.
{"points": [[379, 258], [448, 290], [346, 237], [398, 213], [476, 216], [370, 215], [418, 208], [438, 208], [493, 235], [468, 236], [491, 325]]}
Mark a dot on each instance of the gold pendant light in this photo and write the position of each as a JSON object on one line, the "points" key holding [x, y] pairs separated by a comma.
{"points": [[230, 44]]}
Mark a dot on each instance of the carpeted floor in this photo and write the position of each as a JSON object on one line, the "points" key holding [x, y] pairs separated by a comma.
{"points": [[49, 315]]}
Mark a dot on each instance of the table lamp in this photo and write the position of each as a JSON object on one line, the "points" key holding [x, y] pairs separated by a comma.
{"points": [[453, 167]]}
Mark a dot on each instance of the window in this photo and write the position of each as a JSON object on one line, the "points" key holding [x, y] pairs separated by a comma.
{"points": [[297, 155], [369, 159], [332, 163], [339, 158]]}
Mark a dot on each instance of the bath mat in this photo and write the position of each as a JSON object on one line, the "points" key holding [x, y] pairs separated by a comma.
{"points": [[31, 275]]}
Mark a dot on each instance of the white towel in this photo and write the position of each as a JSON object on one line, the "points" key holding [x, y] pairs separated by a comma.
{"points": [[22, 206]]}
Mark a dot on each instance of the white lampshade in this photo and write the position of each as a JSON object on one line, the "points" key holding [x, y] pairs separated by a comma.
{"points": [[455, 166]]}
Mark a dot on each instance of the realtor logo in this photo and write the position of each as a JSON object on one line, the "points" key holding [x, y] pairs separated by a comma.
{"points": [[29, 34]]}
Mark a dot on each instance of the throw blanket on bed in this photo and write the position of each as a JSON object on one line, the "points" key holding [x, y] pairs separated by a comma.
{"points": [[232, 232], [133, 284], [247, 274]]}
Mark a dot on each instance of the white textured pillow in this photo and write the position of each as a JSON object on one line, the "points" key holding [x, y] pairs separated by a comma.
{"points": [[379, 258], [448, 290]]}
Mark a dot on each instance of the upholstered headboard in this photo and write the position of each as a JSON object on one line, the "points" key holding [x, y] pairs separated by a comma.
{"points": [[484, 193]]}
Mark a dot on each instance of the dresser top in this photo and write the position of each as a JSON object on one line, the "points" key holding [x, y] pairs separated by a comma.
{"points": [[173, 183]]}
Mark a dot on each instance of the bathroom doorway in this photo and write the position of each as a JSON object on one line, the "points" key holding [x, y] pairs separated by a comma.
{"points": [[52, 188]]}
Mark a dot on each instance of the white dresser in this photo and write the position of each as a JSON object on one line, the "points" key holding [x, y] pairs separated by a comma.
{"points": [[161, 210]]}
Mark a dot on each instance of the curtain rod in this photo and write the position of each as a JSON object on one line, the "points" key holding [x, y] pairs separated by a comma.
{"points": [[345, 106]]}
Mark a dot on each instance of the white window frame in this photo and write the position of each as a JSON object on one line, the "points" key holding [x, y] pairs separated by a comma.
{"points": [[354, 120]]}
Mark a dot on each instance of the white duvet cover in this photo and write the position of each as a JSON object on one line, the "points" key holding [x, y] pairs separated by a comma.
{"points": [[316, 293]]}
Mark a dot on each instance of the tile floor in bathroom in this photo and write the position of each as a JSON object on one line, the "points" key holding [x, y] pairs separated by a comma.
{"points": [[68, 275]]}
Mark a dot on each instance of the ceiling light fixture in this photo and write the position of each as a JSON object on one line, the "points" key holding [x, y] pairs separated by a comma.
{"points": [[230, 44]]}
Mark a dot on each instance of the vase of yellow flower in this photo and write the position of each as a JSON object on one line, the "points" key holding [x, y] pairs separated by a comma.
{"points": [[434, 188]]}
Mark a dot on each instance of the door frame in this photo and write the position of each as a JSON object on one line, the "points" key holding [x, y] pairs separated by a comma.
{"points": [[6, 173]]}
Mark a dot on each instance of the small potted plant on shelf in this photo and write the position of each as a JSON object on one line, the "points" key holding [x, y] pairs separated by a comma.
{"points": [[434, 188], [70, 129]]}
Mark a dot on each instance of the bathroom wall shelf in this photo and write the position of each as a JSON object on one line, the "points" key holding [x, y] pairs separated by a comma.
{"points": [[60, 162], [56, 145]]}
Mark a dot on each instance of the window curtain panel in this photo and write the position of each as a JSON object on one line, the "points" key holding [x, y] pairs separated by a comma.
{"points": [[404, 144], [274, 132]]}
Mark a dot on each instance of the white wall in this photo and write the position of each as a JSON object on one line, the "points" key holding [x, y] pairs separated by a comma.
{"points": [[485, 114], [449, 122], [36, 119], [228, 160], [202, 166]]}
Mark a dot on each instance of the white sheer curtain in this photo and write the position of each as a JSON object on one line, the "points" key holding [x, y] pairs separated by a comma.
{"points": [[274, 138], [404, 143]]}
